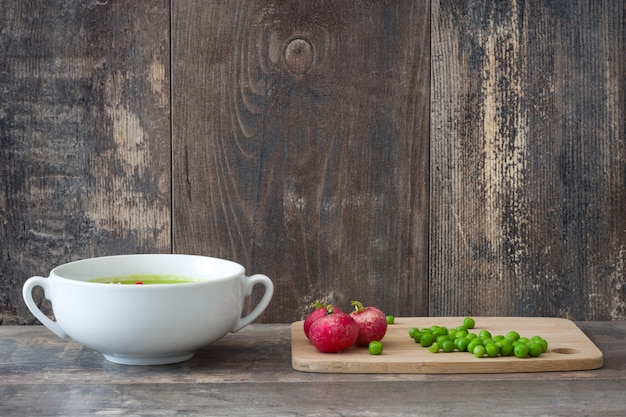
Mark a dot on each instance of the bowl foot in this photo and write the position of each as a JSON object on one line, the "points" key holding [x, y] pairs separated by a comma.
{"points": [[148, 359]]}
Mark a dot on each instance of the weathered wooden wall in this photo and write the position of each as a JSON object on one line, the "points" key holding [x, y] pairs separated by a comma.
{"points": [[301, 145], [433, 157], [84, 136], [528, 158]]}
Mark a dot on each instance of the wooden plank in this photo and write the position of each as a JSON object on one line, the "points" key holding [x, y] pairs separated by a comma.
{"points": [[569, 349], [301, 146], [257, 354], [574, 398], [528, 153], [39, 373], [85, 151]]}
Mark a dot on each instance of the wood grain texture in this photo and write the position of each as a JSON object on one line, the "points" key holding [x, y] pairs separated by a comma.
{"points": [[528, 153], [85, 136], [301, 146], [257, 354], [249, 373], [326, 144]]}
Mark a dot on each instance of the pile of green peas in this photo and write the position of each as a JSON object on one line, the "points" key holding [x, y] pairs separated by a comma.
{"points": [[480, 344]]}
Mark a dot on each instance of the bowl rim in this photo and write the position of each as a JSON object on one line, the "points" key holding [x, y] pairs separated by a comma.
{"points": [[57, 272]]}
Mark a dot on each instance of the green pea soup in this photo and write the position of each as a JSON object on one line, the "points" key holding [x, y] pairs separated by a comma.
{"points": [[145, 279]]}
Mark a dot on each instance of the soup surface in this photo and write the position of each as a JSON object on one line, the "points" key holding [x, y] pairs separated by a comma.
{"points": [[145, 279]]}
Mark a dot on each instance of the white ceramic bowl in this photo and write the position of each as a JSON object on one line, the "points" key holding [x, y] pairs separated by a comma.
{"points": [[147, 324]]}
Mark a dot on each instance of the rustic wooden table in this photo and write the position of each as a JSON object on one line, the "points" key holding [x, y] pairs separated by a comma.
{"points": [[249, 374]]}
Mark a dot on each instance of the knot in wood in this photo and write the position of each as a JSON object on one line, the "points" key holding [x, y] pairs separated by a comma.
{"points": [[299, 56]]}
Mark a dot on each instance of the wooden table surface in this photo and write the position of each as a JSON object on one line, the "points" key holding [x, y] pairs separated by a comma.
{"points": [[249, 374]]}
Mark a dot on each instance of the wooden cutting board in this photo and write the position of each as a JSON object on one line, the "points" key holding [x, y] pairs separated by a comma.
{"points": [[569, 349]]}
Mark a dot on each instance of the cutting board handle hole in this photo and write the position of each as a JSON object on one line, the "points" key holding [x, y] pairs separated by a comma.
{"points": [[566, 351]]}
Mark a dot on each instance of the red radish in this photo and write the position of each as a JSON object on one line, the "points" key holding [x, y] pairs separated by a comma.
{"points": [[333, 333], [320, 311], [371, 321]]}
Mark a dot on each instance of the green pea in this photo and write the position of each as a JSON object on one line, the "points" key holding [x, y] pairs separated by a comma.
{"points": [[506, 348], [448, 346], [442, 338], [479, 351], [439, 331], [484, 334], [469, 323], [520, 350], [486, 340], [534, 349], [461, 344], [492, 350], [473, 343], [541, 341], [512, 336], [460, 333], [375, 347], [390, 319], [427, 339]]}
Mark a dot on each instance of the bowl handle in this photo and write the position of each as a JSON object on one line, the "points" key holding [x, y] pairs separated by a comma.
{"points": [[249, 283], [27, 293]]}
